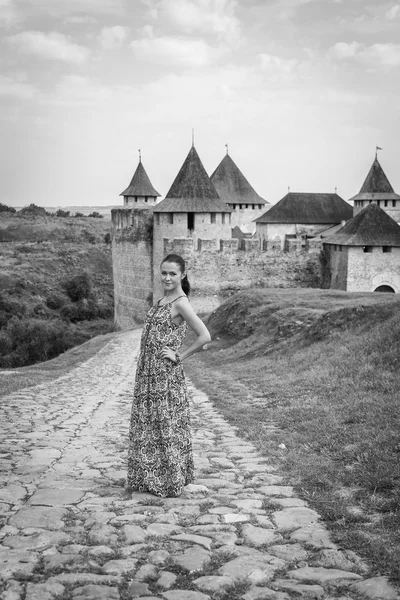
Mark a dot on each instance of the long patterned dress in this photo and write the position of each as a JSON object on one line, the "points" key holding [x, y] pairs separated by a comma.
{"points": [[160, 457]]}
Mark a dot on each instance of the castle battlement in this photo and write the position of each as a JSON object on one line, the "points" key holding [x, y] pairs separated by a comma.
{"points": [[188, 246]]}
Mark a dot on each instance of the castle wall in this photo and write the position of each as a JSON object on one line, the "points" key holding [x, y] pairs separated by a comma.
{"points": [[338, 266], [215, 274], [132, 265], [391, 207], [135, 201], [175, 225], [279, 231], [369, 270], [246, 216]]}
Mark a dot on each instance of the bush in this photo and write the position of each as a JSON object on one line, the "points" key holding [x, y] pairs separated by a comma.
{"points": [[55, 301], [79, 287], [107, 238], [96, 215], [33, 210], [79, 214], [62, 213], [33, 340], [5, 208]]}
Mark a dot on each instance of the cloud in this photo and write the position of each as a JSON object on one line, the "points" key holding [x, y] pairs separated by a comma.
{"points": [[273, 63], [216, 17], [386, 55], [113, 37], [61, 8], [49, 46], [175, 51], [9, 14], [393, 13], [16, 89]]}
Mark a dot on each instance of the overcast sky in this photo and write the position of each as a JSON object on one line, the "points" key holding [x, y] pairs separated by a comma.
{"points": [[301, 90]]}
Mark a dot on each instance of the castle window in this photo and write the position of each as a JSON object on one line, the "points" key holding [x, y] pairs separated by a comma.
{"points": [[386, 202], [393, 202], [223, 218], [190, 220], [247, 206], [253, 206], [334, 247], [212, 217], [259, 207], [386, 248], [171, 218], [240, 206], [367, 249], [340, 248]]}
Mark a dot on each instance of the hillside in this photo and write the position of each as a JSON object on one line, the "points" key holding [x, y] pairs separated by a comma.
{"points": [[40, 256], [312, 377]]}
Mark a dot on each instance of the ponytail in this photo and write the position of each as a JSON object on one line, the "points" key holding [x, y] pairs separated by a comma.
{"points": [[176, 258]]}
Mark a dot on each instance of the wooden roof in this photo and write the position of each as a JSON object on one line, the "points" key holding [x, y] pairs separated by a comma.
{"points": [[140, 184], [232, 186], [376, 185], [192, 190], [372, 226], [308, 208]]}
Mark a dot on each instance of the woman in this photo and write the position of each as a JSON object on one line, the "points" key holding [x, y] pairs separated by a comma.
{"points": [[160, 457]]}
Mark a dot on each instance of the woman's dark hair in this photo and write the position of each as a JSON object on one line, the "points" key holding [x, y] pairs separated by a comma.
{"points": [[177, 259]]}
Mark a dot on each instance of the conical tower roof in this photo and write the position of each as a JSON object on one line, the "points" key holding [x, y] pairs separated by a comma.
{"points": [[192, 190], [372, 226], [140, 184], [376, 185], [232, 186]]}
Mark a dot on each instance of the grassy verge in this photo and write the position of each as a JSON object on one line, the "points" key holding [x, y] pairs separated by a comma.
{"points": [[323, 367]]}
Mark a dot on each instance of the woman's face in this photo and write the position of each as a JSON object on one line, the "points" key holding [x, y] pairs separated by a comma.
{"points": [[171, 275]]}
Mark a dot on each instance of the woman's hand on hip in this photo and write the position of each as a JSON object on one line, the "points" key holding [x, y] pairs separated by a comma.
{"points": [[167, 352]]}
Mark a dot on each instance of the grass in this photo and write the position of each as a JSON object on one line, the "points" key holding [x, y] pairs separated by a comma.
{"points": [[324, 368]]}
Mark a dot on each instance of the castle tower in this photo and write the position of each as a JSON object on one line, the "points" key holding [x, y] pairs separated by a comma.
{"points": [[377, 188], [140, 190], [364, 254], [192, 216], [234, 189]]}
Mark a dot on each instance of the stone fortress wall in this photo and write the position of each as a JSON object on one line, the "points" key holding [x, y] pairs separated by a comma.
{"points": [[216, 267]]}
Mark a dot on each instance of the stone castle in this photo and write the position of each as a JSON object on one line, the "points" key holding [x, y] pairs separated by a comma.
{"points": [[207, 220]]}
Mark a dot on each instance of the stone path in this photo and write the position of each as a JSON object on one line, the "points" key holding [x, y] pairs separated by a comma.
{"points": [[70, 531]]}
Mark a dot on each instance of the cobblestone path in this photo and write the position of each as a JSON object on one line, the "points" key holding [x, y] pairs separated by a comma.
{"points": [[70, 531]]}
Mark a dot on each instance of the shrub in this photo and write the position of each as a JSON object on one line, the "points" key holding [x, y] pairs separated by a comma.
{"points": [[70, 312], [96, 215], [62, 213], [34, 340], [79, 214], [107, 238], [5, 208], [55, 301], [78, 287], [33, 210]]}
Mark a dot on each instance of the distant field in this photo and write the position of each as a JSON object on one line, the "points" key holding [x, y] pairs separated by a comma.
{"points": [[324, 368], [85, 210]]}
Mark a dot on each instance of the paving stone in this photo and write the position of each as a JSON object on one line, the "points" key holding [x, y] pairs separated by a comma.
{"points": [[257, 536], [166, 580], [194, 539], [55, 561], [39, 516], [43, 591], [216, 483], [134, 534], [321, 574], [258, 569], [127, 551], [163, 529], [136, 589], [224, 538], [185, 595], [103, 534], [220, 510], [375, 588], [207, 519], [212, 583], [158, 557], [101, 551], [291, 518], [12, 493], [333, 559], [37, 541], [248, 504], [55, 497], [263, 521], [235, 518], [192, 559], [286, 502], [264, 593], [147, 572], [120, 566], [84, 578], [266, 479], [315, 536], [299, 589], [289, 552], [196, 489], [17, 563], [95, 592], [282, 491]]}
